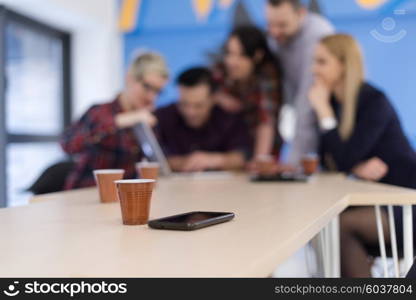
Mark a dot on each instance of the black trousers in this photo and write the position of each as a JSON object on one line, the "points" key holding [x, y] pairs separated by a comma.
{"points": [[412, 272]]}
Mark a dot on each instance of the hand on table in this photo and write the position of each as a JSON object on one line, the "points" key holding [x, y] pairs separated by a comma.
{"points": [[269, 168], [373, 169], [201, 161]]}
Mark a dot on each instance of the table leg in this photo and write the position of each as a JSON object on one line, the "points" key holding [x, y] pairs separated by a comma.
{"points": [[408, 236], [328, 250], [335, 248], [381, 240], [321, 254], [393, 240]]}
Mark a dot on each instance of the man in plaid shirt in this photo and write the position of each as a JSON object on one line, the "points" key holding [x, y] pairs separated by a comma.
{"points": [[103, 138]]}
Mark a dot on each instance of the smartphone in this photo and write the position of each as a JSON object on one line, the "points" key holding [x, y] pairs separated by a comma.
{"points": [[282, 177], [191, 220]]}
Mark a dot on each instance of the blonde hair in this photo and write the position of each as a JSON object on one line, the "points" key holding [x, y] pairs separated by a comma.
{"points": [[148, 62], [347, 50]]}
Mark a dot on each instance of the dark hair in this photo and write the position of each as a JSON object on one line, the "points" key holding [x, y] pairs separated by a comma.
{"points": [[196, 76], [253, 41], [295, 3]]}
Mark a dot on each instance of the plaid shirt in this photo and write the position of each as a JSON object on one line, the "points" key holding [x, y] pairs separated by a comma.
{"points": [[96, 143], [261, 97]]}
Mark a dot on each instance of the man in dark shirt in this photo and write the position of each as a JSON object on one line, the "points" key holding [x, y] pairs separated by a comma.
{"points": [[196, 134], [103, 138]]}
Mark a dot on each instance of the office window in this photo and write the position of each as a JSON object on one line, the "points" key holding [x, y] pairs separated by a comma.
{"points": [[35, 102], [33, 72]]}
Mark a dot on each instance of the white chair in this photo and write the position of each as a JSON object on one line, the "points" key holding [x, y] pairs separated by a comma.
{"points": [[407, 239]]}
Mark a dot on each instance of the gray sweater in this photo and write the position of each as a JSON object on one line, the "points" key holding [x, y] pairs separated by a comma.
{"points": [[296, 58]]}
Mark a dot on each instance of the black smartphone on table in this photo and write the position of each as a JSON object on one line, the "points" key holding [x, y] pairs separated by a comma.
{"points": [[191, 220], [282, 177]]}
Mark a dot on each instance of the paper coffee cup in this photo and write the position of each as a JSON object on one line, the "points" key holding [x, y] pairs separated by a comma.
{"points": [[310, 163], [148, 170], [105, 181], [135, 196]]}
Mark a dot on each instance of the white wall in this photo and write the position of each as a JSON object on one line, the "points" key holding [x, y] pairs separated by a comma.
{"points": [[96, 44]]}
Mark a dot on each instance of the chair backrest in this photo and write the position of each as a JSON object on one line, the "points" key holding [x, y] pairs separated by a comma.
{"points": [[52, 179]]}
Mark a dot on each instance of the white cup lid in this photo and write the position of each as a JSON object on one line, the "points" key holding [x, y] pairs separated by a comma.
{"points": [[109, 171], [132, 181], [310, 156], [147, 164]]}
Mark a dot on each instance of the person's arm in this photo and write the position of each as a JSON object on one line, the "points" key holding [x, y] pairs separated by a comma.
{"points": [[177, 163], [265, 137], [97, 128], [131, 118], [372, 120], [222, 95], [228, 102], [373, 169], [236, 137], [269, 108], [91, 130], [203, 161], [233, 160]]}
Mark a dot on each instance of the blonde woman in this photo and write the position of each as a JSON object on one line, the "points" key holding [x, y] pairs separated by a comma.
{"points": [[360, 135], [103, 138]]}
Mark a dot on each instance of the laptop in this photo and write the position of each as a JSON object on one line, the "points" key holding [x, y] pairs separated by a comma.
{"points": [[154, 153], [151, 147]]}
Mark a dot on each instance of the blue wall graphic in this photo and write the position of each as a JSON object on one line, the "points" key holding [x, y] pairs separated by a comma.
{"points": [[387, 34]]}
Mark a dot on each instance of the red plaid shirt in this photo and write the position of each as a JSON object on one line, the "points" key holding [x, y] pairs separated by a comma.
{"points": [[261, 97], [96, 143]]}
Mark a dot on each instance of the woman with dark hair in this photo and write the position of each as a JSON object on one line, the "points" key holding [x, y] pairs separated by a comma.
{"points": [[249, 81]]}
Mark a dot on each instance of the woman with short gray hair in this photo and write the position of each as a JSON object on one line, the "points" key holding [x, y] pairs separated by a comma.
{"points": [[103, 137]]}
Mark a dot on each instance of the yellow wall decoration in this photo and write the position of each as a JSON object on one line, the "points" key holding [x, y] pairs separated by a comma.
{"points": [[128, 15], [371, 4], [203, 8]]}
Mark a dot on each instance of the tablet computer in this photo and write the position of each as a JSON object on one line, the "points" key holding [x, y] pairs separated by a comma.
{"points": [[191, 220]]}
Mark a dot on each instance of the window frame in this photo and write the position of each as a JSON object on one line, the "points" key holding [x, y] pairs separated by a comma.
{"points": [[10, 16]]}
